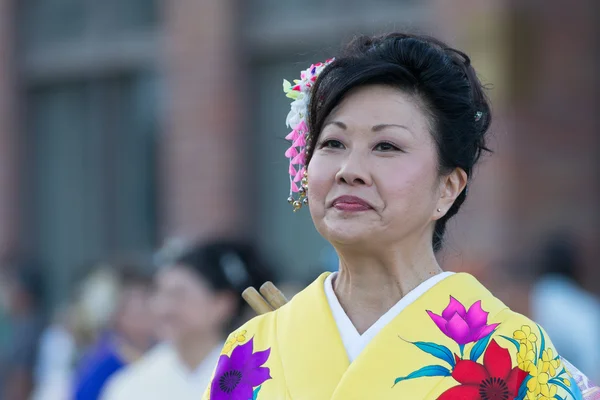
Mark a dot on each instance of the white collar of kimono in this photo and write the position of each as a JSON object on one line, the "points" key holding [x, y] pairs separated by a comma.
{"points": [[354, 342]]}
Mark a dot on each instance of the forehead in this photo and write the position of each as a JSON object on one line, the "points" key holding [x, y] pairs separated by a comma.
{"points": [[379, 104], [179, 275]]}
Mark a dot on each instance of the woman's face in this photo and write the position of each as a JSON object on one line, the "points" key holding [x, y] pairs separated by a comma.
{"points": [[373, 178], [134, 317], [186, 306]]}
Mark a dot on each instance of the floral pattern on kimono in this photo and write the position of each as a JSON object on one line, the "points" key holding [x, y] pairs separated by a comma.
{"points": [[538, 373]]}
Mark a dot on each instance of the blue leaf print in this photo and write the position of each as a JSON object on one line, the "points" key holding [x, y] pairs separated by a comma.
{"points": [[523, 389], [558, 382], [431, 370], [255, 394], [436, 350], [513, 341], [577, 395], [479, 347], [543, 346]]}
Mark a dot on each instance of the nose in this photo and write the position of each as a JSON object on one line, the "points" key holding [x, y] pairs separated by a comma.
{"points": [[354, 171]]}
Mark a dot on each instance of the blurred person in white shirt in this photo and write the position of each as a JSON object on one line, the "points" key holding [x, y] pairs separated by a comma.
{"points": [[198, 299], [569, 313], [56, 357]]}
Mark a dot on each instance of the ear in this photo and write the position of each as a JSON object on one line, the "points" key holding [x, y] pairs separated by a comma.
{"points": [[451, 186]]}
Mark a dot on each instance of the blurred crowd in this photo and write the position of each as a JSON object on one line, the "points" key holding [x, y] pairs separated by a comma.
{"points": [[156, 331], [129, 330], [87, 89]]}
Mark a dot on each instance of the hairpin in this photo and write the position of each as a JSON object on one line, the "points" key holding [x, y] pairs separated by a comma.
{"points": [[300, 93]]}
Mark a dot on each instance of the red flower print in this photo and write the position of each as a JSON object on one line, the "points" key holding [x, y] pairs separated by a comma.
{"points": [[494, 380]]}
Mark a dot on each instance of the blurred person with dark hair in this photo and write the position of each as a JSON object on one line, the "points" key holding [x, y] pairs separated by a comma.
{"points": [[198, 300], [561, 304], [127, 337], [22, 287]]}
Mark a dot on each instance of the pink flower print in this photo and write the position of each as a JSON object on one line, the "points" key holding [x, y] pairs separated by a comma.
{"points": [[238, 375], [461, 325]]}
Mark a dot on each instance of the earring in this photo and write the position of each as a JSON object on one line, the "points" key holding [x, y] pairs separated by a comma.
{"points": [[439, 210], [302, 191]]}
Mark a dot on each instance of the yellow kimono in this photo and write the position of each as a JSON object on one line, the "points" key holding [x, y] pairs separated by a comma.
{"points": [[456, 341]]}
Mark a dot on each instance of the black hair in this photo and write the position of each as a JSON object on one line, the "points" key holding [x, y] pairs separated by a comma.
{"points": [[27, 274], [441, 78], [560, 255], [226, 265]]}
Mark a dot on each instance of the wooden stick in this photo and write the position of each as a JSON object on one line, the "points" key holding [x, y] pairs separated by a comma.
{"points": [[273, 295], [256, 301]]}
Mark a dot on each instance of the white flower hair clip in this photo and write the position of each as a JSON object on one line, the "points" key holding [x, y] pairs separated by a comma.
{"points": [[296, 119]]}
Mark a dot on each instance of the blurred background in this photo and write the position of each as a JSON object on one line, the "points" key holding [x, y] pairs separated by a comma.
{"points": [[125, 125]]}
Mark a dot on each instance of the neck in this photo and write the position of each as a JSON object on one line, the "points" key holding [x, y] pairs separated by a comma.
{"points": [[193, 350], [130, 350], [370, 283]]}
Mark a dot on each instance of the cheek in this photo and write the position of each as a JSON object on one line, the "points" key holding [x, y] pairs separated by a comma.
{"points": [[408, 185], [321, 176], [201, 309]]}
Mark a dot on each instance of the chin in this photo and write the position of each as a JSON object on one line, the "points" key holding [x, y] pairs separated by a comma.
{"points": [[166, 334], [346, 231]]}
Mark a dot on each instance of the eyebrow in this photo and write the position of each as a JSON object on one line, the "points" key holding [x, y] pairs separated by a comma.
{"points": [[339, 124], [376, 128], [381, 127]]}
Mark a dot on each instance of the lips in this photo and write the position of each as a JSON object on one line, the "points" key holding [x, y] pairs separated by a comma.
{"points": [[351, 203]]}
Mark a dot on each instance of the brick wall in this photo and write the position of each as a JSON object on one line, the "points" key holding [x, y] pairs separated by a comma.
{"points": [[201, 153], [556, 99], [542, 57], [478, 235]]}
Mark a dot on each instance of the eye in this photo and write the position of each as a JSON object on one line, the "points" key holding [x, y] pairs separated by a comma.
{"points": [[331, 144], [385, 146]]}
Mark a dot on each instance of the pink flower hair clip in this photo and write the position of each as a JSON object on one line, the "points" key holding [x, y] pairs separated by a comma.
{"points": [[296, 119]]}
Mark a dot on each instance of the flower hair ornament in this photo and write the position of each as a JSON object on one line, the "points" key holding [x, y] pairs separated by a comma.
{"points": [[300, 93]]}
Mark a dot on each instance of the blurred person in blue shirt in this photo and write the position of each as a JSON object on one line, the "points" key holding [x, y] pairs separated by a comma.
{"points": [[128, 336]]}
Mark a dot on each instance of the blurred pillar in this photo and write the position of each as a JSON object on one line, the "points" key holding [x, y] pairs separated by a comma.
{"points": [[8, 131], [202, 165], [556, 97], [478, 235]]}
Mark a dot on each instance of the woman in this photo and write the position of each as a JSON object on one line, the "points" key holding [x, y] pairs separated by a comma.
{"points": [[385, 139], [128, 337], [198, 300]]}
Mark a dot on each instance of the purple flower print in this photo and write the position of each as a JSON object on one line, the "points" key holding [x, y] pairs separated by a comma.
{"points": [[461, 325], [237, 376]]}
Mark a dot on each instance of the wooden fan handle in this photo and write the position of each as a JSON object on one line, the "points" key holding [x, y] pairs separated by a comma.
{"points": [[256, 301], [273, 295]]}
